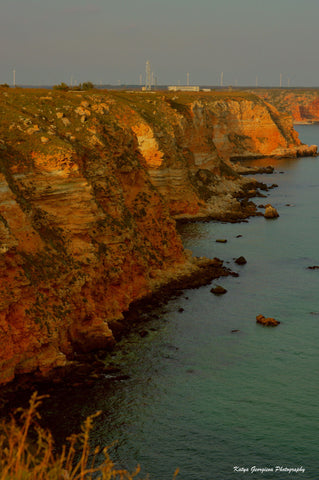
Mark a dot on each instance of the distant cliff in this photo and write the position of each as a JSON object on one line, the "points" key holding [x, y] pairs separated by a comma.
{"points": [[301, 104], [88, 184]]}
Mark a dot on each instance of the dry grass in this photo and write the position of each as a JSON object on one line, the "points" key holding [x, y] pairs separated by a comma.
{"points": [[27, 452]]}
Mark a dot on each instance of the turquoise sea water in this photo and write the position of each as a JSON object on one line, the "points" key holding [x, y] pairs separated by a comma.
{"points": [[204, 399]]}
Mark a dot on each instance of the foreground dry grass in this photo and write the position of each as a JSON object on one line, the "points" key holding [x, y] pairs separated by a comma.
{"points": [[27, 452]]}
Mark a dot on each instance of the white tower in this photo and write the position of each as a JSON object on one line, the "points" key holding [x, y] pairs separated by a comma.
{"points": [[148, 76], [14, 77]]}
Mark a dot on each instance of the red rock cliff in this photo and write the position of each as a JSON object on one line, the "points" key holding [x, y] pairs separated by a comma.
{"points": [[301, 104], [188, 140], [84, 227]]}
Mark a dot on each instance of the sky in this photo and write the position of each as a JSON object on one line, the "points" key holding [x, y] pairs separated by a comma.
{"points": [[109, 41]]}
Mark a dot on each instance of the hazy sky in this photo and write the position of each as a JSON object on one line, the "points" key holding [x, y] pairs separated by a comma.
{"points": [[109, 41]]}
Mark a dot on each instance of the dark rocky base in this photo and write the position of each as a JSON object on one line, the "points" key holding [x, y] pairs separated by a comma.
{"points": [[85, 369], [208, 270]]}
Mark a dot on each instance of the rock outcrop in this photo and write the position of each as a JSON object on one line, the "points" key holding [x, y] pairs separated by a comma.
{"points": [[88, 184], [270, 211]]}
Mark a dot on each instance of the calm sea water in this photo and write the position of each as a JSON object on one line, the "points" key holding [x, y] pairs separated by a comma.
{"points": [[202, 398]]}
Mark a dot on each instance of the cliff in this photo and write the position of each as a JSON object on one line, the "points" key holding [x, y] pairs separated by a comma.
{"points": [[88, 183], [188, 142], [301, 104]]}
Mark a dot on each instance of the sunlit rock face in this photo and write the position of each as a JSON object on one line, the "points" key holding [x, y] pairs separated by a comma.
{"points": [[301, 104], [180, 135], [83, 231], [88, 186]]}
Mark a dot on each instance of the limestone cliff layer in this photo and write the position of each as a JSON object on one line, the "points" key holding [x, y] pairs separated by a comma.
{"points": [[87, 186]]}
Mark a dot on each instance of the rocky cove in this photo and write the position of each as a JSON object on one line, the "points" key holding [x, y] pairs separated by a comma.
{"points": [[91, 186]]}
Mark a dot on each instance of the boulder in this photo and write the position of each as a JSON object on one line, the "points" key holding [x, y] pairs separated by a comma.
{"points": [[241, 261], [218, 290], [270, 212], [267, 322]]}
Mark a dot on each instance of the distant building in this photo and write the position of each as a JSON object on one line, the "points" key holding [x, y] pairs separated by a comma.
{"points": [[183, 88]]}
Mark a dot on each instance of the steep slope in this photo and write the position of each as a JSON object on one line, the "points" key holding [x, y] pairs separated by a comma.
{"points": [[82, 230]]}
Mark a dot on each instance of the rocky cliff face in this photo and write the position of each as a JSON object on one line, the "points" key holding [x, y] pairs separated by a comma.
{"points": [[84, 227], [188, 142], [301, 104]]}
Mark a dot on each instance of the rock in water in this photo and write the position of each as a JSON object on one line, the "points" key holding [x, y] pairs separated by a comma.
{"points": [[218, 290], [267, 322], [241, 261], [270, 212]]}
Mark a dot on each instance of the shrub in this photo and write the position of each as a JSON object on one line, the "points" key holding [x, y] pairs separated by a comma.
{"points": [[87, 86], [62, 86]]}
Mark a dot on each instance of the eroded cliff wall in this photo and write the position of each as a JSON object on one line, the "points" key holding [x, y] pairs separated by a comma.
{"points": [[82, 229], [87, 185], [188, 141], [301, 104]]}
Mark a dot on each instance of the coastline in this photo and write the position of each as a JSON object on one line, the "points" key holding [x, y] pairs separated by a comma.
{"points": [[86, 368], [90, 198]]}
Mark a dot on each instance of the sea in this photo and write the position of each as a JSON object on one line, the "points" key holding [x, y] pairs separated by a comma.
{"points": [[203, 387]]}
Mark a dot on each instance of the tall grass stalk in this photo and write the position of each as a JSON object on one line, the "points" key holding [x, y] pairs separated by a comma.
{"points": [[27, 451]]}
